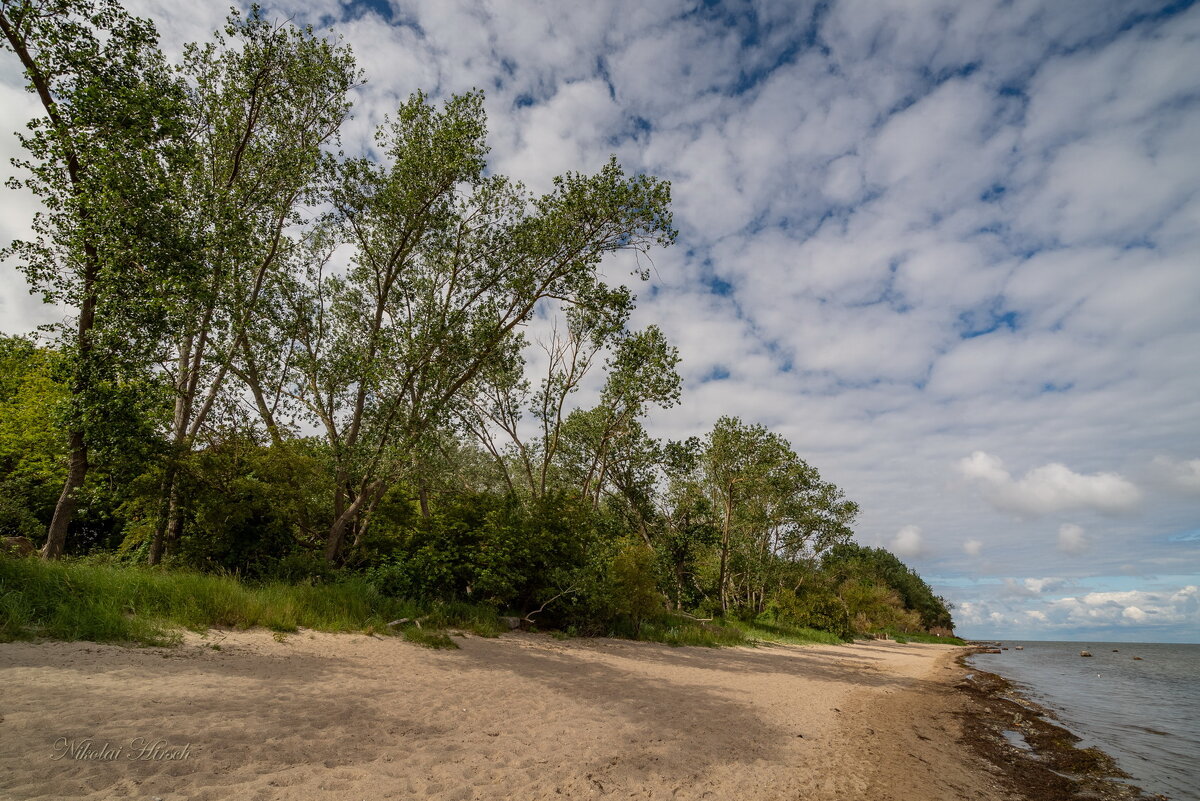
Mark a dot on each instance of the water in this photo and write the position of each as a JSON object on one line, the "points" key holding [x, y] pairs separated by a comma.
{"points": [[1145, 713]]}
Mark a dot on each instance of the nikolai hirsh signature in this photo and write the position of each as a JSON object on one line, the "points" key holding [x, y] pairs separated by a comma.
{"points": [[139, 749]]}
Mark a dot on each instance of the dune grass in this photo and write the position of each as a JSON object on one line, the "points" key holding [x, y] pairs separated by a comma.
{"points": [[685, 631], [922, 637], [72, 600], [764, 631]]}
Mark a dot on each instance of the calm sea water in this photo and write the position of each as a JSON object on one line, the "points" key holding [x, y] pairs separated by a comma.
{"points": [[1145, 713]]}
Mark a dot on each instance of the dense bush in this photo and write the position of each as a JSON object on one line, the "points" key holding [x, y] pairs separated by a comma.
{"points": [[815, 608]]}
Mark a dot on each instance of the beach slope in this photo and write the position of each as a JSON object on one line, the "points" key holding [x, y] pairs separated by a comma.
{"points": [[240, 715]]}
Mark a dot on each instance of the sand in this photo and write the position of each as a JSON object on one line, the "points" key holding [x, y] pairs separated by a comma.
{"points": [[523, 716]]}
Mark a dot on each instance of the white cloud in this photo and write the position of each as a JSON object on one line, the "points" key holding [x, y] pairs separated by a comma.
{"points": [[907, 542], [973, 547], [1132, 607], [1036, 608], [1049, 488], [1071, 539], [1031, 587]]}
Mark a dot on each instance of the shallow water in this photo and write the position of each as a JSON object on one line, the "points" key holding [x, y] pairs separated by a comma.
{"points": [[1144, 713]]}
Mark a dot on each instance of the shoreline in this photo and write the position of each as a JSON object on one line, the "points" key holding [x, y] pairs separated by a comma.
{"points": [[243, 714], [1037, 756]]}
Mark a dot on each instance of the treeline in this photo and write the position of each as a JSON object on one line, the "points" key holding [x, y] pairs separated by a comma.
{"points": [[286, 363]]}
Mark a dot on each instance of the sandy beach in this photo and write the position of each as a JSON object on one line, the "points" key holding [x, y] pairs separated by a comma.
{"points": [[239, 715]]}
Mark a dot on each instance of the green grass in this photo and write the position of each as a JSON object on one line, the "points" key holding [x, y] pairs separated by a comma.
{"points": [[72, 600], [764, 631], [922, 637], [684, 631], [726, 632], [430, 638]]}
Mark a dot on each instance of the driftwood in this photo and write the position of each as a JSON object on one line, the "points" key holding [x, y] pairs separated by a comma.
{"points": [[404, 621]]}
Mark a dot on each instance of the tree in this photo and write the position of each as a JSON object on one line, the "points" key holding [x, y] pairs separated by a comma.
{"points": [[263, 101], [448, 263], [106, 160], [773, 507]]}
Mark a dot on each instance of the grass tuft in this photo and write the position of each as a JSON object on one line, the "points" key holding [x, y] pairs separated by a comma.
{"points": [[430, 638]]}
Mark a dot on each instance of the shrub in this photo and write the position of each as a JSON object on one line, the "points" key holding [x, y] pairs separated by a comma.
{"points": [[634, 585], [815, 608]]}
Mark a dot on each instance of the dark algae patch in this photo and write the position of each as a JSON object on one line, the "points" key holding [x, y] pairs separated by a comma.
{"points": [[1034, 757]]}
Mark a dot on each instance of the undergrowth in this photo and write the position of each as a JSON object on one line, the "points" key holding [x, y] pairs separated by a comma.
{"points": [[75, 600], [79, 600]]}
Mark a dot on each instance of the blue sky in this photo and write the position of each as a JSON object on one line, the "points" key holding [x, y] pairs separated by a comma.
{"points": [[951, 250]]}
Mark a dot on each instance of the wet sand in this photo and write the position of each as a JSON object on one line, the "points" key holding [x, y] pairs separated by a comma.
{"points": [[523, 716]]}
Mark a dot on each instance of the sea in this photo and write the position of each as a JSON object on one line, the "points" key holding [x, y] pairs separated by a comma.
{"points": [[1145, 713]]}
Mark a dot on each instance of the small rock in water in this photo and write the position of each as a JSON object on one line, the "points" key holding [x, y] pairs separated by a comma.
{"points": [[1137, 659], [1085, 653]]}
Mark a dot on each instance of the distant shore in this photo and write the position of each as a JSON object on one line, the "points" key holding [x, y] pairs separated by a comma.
{"points": [[242, 715]]}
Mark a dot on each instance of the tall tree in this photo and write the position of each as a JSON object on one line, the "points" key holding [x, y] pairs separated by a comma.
{"points": [[264, 100], [106, 160], [447, 264]]}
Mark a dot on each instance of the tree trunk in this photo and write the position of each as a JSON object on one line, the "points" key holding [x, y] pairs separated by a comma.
{"points": [[337, 531], [337, 535], [723, 577], [64, 510], [423, 496], [166, 506]]}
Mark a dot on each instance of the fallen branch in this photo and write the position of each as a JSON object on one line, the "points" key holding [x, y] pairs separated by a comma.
{"points": [[529, 617]]}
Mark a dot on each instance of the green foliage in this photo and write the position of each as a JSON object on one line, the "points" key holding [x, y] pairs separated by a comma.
{"points": [[766, 629], [812, 608], [634, 585], [681, 631], [32, 441], [923, 637], [876, 566]]}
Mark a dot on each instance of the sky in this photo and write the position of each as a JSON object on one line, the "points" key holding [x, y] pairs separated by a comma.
{"points": [[950, 250]]}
